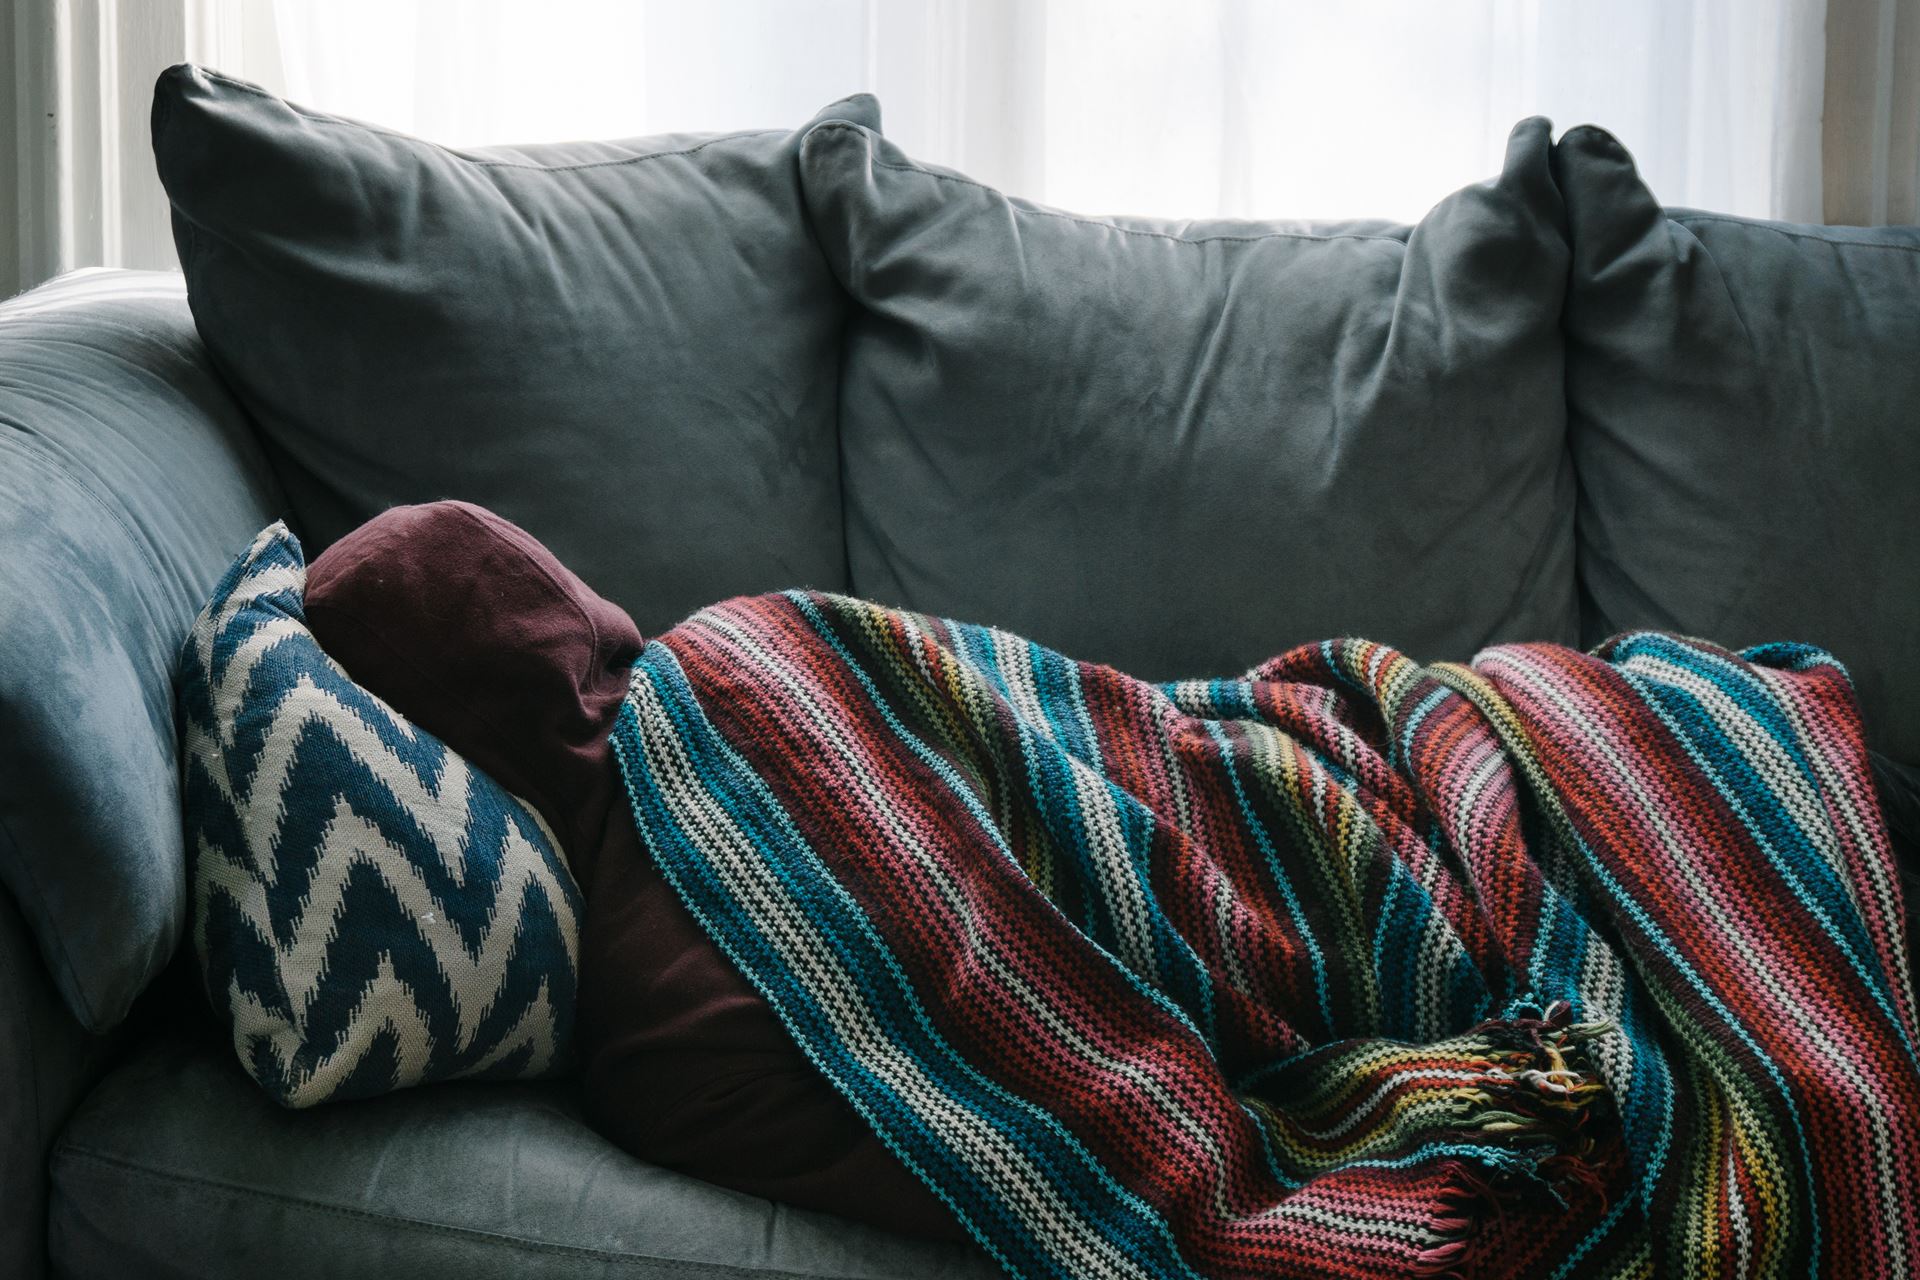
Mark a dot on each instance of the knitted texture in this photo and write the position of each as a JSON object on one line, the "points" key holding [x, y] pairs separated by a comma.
{"points": [[1557, 965], [370, 911]]}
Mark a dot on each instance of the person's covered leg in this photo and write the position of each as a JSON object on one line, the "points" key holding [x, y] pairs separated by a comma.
{"points": [[469, 626], [686, 1065]]}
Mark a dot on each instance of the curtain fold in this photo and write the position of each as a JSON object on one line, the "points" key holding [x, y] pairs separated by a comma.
{"points": [[77, 183], [1373, 108], [1870, 137], [1801, 109]]}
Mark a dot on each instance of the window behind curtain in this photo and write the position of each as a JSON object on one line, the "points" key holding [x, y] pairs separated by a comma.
{"points": [[1197, 108]]}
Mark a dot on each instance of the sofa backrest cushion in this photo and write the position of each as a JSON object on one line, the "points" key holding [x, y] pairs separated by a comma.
{"points": [[370, 911], [1181, 448], [128, 480], [628, 348], [1745, 422]]}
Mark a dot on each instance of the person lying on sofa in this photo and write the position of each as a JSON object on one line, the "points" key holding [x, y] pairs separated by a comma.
{"points": [[731, 728], [475, 631]]}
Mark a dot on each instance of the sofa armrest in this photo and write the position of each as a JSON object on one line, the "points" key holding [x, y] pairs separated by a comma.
{"points": [[48, 1062], [129, 480]]}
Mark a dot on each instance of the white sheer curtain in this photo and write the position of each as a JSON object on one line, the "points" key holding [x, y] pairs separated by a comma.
{"points": [[1174, 107], [1182, 107]]}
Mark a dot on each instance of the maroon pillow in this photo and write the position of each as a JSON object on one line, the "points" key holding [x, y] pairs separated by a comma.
{"points": [[472, 629]]}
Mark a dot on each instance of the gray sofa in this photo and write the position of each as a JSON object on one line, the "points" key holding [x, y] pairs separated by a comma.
{"points": [[1552, 410]]}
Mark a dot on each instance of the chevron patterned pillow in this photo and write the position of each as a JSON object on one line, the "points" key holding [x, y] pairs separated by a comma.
{"points": [[370, 911]]}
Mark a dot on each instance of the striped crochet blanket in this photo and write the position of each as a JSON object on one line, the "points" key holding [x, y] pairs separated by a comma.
{"points": [[1557, 965]]}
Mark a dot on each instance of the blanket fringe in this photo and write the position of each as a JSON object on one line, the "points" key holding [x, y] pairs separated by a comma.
{"points": [[1540, 1104]]}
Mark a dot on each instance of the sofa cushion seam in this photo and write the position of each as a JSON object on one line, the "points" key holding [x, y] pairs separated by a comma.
{"points": [[434, 1228]]}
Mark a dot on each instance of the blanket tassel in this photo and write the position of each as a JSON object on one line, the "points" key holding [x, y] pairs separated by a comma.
{"points": [[1532, 1097]]}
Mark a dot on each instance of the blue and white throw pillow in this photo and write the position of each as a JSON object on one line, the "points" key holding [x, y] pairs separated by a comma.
{"points": [[370, 911]]}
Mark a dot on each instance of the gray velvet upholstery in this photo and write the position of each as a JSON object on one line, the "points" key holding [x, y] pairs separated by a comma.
{"points": [[47, 1063], [627, 348], [1745, 402], [177, 1166], [129, 479], [1181, 448]]}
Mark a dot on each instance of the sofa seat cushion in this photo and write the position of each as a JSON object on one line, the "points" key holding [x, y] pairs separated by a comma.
{"points": [[1745, 423], [1183, 447], [177, 1166], [630, 349]]}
